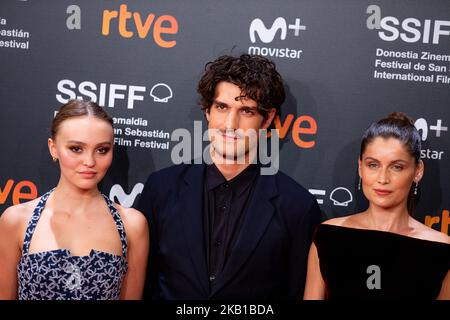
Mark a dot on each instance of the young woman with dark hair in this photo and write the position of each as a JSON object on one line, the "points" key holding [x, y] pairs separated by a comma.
{"points": [[382, 252]]}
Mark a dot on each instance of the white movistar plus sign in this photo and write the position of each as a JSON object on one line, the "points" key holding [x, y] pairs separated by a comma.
{"points": [[438, 128], [297, 27], [266, 35]]}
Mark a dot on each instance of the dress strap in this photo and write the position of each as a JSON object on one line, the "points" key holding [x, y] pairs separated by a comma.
{"points": [[119, 224], [33, 222]]}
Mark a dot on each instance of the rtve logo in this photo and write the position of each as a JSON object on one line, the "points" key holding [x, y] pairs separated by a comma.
{"points": [[267, 35], [444, 220], [163, 25], [303, 126], [409, 30], [22, 190]]}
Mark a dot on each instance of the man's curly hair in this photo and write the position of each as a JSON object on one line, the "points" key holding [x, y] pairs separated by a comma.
{"points": [[255, 75]]}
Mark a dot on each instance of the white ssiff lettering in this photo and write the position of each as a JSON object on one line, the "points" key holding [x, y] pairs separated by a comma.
{"points": [[104, 94], [409, 30]]}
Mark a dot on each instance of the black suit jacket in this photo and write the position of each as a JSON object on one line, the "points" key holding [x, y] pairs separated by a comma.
{"points": [[268, 260]]}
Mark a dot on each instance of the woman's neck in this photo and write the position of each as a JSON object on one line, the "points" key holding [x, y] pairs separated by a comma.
{"points": [[69, 198], [395, 219]]}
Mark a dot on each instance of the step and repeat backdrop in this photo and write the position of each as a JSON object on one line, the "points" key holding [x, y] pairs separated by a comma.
{"points": [[346, 63]]}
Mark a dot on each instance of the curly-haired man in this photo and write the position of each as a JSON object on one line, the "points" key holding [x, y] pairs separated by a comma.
{"points": [[224, 230]]}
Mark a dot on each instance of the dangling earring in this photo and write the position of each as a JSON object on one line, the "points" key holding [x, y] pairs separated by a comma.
{"points": [[415, 189], [54, 159], [359, 184]]}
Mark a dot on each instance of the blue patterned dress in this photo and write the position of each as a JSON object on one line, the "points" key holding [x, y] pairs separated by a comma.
{"points": [[57, 275]]}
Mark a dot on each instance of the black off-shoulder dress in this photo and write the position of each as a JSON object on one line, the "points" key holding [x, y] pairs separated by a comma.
{"points": [[370, 264]]}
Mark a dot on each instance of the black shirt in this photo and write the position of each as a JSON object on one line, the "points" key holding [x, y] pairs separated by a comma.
{"points": [[224, 207]]}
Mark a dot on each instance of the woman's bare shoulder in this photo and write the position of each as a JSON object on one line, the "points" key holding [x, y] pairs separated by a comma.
{"points": [[347, 221], [134, 221], [19, 213], [427, 233], [14, 220], [335, 221]]}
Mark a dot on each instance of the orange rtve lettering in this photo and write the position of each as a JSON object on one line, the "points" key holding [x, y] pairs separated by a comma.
{"points": [[165, 24], [282, 127], [445, 221], [124, 15], [158, 29], [430, 221], [107, 17], [6, 190], [143, 29], [297, 130], [18, 194]]}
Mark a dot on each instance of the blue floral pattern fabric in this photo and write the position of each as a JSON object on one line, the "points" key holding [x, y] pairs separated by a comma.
{"points": [[57, 275]]}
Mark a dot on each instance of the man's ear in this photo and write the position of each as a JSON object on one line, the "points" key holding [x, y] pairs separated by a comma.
{"points": [[270, 116], [207, 114]]}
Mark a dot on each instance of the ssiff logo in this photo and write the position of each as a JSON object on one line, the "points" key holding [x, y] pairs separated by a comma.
{"points": [[410, 30], [161, 92], [163, 25], [109, 94], [267, 35], [340, 196]]}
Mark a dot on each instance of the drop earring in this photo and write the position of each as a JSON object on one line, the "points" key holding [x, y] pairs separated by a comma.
{"points": [[415, 189], [359, 184], [54, 159]]}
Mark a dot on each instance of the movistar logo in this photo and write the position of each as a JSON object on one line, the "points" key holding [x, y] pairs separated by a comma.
{"points": [[267, 35], [122, 197]]}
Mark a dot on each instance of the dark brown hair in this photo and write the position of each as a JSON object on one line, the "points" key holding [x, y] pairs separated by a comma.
{"points": [[399, 126], [78, 108], [396, 125], [256, 76]]}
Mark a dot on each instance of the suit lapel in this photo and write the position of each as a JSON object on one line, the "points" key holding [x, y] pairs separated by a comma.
{"points": [[257, 217], [191, 206]]}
